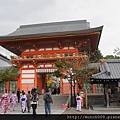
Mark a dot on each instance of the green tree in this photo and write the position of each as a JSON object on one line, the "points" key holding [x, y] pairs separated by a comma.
{"points": [[117, 57], [97, 56], [9, 74], [77, 68], [109, 57]]}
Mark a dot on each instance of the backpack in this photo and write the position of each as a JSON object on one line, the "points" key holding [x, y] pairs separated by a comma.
{"points": [[48, 99], [34, 97]]}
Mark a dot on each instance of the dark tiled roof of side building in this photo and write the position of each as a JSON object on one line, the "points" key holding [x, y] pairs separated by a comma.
{"points": [[109, 70], [6, 60]]}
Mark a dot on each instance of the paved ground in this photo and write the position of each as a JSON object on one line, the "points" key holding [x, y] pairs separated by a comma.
{"points": [[72, 110], [18, 115], [40, 110], [94, 110]]}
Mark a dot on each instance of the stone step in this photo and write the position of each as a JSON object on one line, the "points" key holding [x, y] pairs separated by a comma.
{"points": [[115, 104], [58, 100]]}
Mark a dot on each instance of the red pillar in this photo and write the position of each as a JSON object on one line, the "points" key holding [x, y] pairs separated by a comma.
{"points": [[93, 88]]}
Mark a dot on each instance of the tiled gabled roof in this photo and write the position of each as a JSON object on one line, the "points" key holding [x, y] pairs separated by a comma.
{"points": [[53, 28], [109, 71]]}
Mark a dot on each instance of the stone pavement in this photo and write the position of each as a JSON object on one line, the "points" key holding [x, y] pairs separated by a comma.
{"points": [[56, 108], [94, 110], [97, 112], [40, 110]]}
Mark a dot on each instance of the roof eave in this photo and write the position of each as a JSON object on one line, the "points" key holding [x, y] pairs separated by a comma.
{"points": [[97, 29]]}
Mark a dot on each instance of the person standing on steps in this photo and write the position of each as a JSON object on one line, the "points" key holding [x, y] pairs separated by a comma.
{"points": [[34, 101], [18, 95], [28, 101], [32, 90], [58, 90], [47, 101], [38, 93]]}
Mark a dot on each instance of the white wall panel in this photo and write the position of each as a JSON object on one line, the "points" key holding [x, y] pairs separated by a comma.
{"points": [[28, 71], [28, 81], [65, 81], [28, 75], [48, 65]]}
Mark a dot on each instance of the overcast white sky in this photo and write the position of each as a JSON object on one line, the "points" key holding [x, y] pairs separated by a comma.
{"points": [[14, 13]]}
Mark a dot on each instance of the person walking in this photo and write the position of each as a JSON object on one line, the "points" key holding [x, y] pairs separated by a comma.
{"points": [[28, 101], [47, 101], [34, 101], [38, 94], [23, 100], [58, 90], [5, 100], [79, 102], [52, 91], [18, 95], [32, 90], [13, 100]]}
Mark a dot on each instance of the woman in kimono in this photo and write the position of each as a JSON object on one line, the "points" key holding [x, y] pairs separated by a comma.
{"points": [[5, 100], [79, 102], [13, 100], [23, 100]]}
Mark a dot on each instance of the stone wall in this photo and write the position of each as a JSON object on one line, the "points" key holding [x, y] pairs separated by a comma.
{"points": [[95, 99]]}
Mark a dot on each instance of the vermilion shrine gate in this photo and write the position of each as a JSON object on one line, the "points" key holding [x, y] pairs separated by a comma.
{"points": [[38, 46]]}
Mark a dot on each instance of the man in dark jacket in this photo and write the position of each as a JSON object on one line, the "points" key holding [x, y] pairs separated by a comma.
{"points": [[47, 100], [18, 95]]}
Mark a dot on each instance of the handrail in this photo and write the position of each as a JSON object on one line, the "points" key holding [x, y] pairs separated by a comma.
{"points": [[46, 57]]}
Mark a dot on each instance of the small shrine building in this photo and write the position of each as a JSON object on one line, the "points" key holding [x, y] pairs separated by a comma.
{"points": [[109, 77]]}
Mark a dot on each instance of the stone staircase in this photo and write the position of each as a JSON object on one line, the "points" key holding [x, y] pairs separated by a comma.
{"points": [[58, 100]]}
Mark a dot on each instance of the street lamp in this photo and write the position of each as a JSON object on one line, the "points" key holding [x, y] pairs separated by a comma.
{"points": [[69, 76], [70, 81]]}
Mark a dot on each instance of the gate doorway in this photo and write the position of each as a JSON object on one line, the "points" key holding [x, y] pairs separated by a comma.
{"points": [[52, 83]]}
